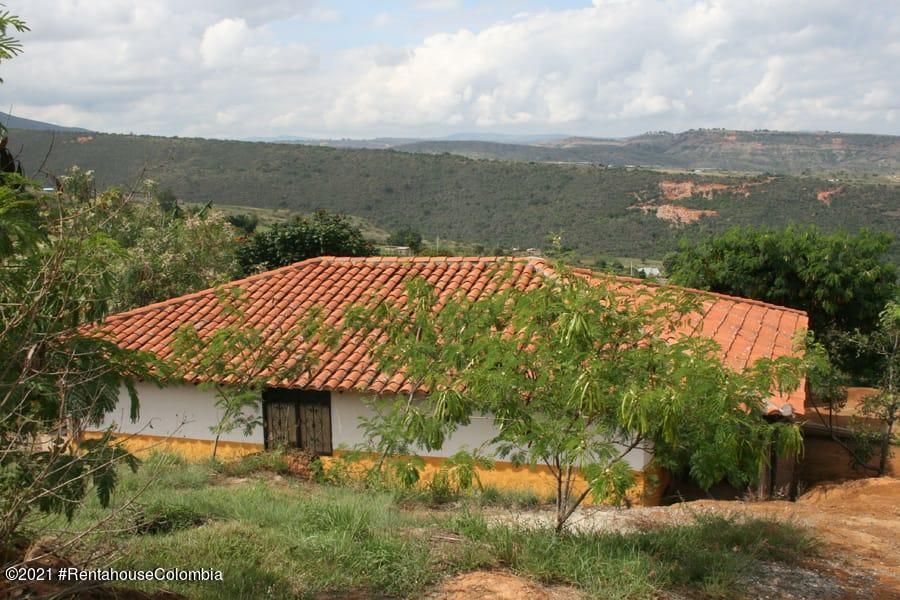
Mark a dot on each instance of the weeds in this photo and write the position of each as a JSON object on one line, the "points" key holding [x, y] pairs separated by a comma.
{"points": [[710, 554], [270, 461], [299, 540], [165, 518]]}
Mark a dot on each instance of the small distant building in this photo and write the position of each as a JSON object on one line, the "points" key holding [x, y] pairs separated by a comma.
{"points": [[395, 251], [649, 271]]}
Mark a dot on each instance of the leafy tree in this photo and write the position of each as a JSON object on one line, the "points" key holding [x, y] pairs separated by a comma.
{"points": [[10, 46], [178, 257], [884, 406], [324, 234], [56, 377], [406, 236], [245, 222], [576, 376], [165, 253], [842, 281]]}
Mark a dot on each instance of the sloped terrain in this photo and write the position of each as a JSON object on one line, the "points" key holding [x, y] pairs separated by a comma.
{"points": [[487, 202], [857, 524]]}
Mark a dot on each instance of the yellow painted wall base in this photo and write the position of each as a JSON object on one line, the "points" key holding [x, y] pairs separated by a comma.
{"points": [[538, 479], [191, 449], [504, 475]]}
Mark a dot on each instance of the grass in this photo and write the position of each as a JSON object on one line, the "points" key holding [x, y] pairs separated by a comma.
{"points": [[275, 537], [708, 555], [274, 462]]}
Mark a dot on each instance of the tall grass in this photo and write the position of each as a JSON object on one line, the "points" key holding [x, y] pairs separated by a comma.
{"points": [[278, 538], [709, 554]]}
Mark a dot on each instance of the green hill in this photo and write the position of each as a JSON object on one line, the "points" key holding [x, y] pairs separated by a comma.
{"points": [[600, 211]]}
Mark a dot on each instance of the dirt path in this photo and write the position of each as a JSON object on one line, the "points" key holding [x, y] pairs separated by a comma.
{"points": [[858, 523]]}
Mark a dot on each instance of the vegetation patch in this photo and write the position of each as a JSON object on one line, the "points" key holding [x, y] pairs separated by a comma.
{"points": [[296, 540], [710, 554], [497, 204], [165, 518], [251, 464]]}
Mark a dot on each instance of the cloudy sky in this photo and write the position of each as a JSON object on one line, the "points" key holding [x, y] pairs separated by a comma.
{"points": [[239, 68]]}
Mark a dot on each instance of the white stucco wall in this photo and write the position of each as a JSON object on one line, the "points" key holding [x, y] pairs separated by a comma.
{"points": [[348, 407], [188, 412], [178, 411]]}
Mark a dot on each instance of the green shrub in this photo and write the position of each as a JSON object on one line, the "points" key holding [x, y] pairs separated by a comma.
{"points": [[164, 518], [259, 462], [439, 489], [521, 499]]}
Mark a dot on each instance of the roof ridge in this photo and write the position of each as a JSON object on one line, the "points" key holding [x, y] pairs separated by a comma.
{"points": [[709, 293], [542, 265], [203, 292], [314, 259]]}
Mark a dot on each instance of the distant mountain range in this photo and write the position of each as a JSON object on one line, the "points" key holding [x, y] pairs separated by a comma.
{"points": [[760, 151], [14, 122], [398, 142]]}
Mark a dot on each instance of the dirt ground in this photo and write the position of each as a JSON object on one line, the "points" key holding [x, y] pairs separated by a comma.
{"points": [[858, 523]]}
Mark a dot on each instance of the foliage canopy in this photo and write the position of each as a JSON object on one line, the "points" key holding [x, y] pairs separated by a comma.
{"points": [[324, 234], [842, 281]]}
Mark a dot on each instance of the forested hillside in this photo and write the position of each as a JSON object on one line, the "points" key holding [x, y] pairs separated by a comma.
{"points": [[598, 211]]}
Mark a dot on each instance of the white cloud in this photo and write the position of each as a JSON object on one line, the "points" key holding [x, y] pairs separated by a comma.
{"points": [[212, 67], [223, 41], [631, 65], [324, 15]]}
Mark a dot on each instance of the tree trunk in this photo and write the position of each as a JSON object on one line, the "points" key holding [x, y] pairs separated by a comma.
{"points": [[885, 449], [215, 446]]}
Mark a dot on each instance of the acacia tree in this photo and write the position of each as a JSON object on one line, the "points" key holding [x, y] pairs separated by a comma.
{"points": [[577, 375]]}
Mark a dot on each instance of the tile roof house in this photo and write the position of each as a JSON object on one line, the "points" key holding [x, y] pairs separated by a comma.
{"points": [[321, 409]]}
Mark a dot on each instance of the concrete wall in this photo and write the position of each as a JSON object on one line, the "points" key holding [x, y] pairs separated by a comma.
{"points": [[348, 407], [186, 413], [178, 412]]}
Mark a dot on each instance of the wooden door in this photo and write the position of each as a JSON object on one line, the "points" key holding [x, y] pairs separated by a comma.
{"points": [[315, 425], [298, 419], [281, 424]]}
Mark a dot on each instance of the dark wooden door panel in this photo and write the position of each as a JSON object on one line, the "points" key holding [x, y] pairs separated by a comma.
{"points": [[282, 424], [315, 427], [298, 419]]}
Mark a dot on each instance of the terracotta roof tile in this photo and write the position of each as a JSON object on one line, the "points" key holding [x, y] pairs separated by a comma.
{"points": [[745, 329]]}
